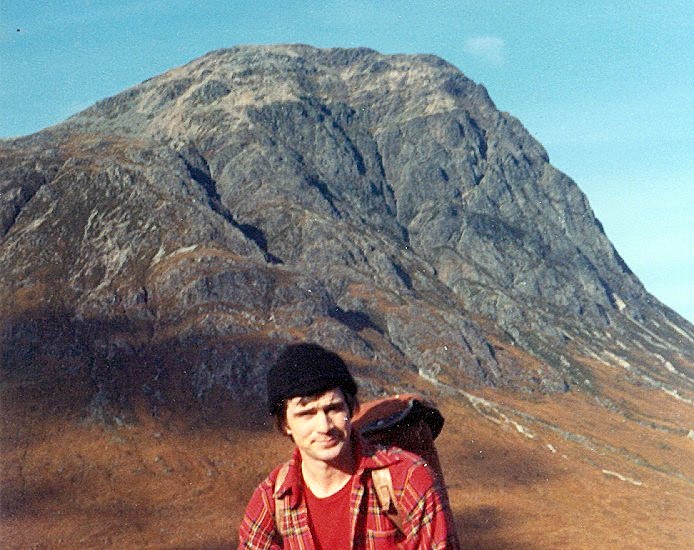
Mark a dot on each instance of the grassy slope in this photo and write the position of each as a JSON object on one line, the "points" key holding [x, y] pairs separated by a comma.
{"points": [[542, 473]]}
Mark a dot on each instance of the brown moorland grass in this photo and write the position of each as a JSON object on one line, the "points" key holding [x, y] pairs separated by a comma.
{"points": [[549, 472]]}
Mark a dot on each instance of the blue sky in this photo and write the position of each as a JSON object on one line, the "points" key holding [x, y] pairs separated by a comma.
{"points": [[606, 86]]}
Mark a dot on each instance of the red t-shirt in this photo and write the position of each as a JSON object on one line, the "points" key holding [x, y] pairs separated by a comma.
{"points": [[329, 518]]}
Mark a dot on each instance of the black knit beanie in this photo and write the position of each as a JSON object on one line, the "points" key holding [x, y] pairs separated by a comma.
{"points": [[304, 370]]}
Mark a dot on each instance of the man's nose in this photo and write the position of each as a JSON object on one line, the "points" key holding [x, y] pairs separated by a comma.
{"points": [[324, 421]]}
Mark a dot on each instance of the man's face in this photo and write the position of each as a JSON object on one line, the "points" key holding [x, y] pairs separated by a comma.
{"points": [[320, 426]]}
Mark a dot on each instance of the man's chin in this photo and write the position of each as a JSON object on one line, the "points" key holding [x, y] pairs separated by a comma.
{"points": [[330, 450]]}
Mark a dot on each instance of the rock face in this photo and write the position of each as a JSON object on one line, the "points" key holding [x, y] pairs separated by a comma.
{"points": [[170, 239]]}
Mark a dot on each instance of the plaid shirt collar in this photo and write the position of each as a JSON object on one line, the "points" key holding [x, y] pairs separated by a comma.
{"points": [[369, 457]]}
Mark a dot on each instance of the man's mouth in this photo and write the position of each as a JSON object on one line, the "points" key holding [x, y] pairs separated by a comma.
{"points": [[328, 441]]}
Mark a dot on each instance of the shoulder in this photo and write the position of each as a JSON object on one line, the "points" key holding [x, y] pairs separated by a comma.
{"points": [[406, 468], [399, 457], [267, 488], [257, 528], [375, 455], [270, 479], [412, 470], [263, 498]]}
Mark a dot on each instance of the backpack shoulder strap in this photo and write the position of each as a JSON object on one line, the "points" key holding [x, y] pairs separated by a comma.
{"points": [[279, 501], [383, 483]]}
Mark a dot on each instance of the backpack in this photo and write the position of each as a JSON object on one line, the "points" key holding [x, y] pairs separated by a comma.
{"points": [[407, 421]]}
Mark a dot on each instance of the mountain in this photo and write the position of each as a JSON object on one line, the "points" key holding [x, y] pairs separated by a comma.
{"points": [[160, 247]]}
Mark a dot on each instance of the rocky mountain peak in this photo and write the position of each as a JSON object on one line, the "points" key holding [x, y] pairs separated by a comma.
{"points": [[380, 204]]}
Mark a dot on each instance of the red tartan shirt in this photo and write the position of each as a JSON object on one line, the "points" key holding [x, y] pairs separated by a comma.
{"points": [[427, 520]]}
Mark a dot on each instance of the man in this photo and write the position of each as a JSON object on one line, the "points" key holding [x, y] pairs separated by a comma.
{"points": [[324, 497]]}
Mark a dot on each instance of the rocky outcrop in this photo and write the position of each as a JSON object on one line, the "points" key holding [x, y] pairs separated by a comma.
{"points": [[172, 237]]}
